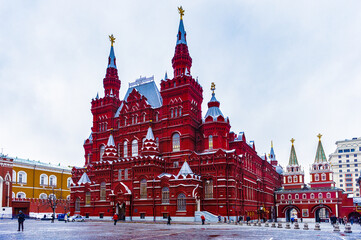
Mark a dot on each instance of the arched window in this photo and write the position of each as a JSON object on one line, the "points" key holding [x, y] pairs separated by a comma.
{"points": [[22, 177], [180, 111], [43, 179], [317, 177], [295, 179], [156, 116], [126, 174], [87, 198], [171, 113], [52, 196], [14, 176], [43, 196], [296, 196], [328, 195], [102, 191], [289, 196], [304, 196], [289, 179], [77, 205], [52, 180], [119, 149], [101, 152], [210, 142], [120, 174], [144, 117], [282, 197], [176, 142], [143, 188], [208, 190], [134, 148], [157, 141], [175, 112], [125, 149], [21, 195], [312, 196], [68, 182], [320, 195], [165, 195], [323, 176], [181, 202], [125, 121]]}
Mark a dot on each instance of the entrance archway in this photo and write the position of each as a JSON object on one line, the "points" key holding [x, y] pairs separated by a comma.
{"points": [[120, 210], [291, 213], [354, 215], [322, 215]]}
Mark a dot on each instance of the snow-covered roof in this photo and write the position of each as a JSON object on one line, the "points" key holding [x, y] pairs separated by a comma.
{"points": [[38, 163], [84, 179], [214, 112], [150, 135], [279, 169], [111, 141], [185, 169]]}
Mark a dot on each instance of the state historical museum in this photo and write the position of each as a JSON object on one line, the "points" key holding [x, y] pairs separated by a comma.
{"points": [[154, 153]]}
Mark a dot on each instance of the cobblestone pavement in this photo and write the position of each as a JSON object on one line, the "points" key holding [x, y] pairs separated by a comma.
{"points": [[36, 229]]}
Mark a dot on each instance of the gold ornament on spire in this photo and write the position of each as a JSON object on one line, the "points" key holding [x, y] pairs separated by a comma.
{"points": [[292, 140], [181, 12], [213, 87], [271, 144], [319, 136], [112, 39]]}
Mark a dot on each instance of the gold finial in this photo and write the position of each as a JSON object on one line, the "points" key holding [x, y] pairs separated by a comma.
{"points": [[181, 12], [213, 87], [112, 39], [271, 144], [319, 136], [292, 140]]}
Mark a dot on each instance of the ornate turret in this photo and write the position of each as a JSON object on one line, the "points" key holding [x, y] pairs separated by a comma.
{"points": [[150, 146], [110, 152], [181, 61], [294, 177], [321, 173], [111, 81]]}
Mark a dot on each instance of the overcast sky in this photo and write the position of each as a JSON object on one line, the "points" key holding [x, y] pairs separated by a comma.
{"points": [[282, 69]]}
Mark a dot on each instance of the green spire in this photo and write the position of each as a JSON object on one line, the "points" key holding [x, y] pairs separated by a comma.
{"points": [[293, 157], [320, 154]]}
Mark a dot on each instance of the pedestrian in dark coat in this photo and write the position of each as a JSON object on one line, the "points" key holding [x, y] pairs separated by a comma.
{"points": [[169, 219], [203, 219], [248, 219], [21, 219], [115, 218]]}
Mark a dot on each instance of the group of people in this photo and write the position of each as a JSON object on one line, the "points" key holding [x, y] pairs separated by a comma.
{"points": [[344, 220]]}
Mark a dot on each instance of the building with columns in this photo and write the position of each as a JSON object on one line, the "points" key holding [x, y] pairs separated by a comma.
{"points": [[318, 200], [153, 153]]}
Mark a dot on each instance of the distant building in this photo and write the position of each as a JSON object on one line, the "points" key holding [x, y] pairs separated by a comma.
{"points": [[6, 166], [346, 162], [32, 183]]}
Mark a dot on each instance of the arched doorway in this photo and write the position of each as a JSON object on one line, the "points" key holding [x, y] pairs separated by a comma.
{"points": [[322, 215], [120, 210], [291, 213], [354, 216]]}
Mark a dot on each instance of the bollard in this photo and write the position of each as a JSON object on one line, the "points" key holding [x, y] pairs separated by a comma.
{"points": [[288, 225], [279, 225], [259, 224], [317, 227], [241, 223], [348, 228], [336, 228], [254, 223], [266, 224], [273, 224], [305, 226], [297, 226]]}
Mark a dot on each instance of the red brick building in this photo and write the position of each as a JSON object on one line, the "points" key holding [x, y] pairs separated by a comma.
{"points": [[153, 154], [6, 169], [317, 201]]}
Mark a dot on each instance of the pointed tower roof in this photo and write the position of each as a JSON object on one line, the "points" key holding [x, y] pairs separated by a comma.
{"points": [[110, 141], [213, 106], [272, 155], [185, 169], [97, 97], [181, 36], [112, 62], [166, 76], [84, 179], [293, 157], [150, 135], [150, 146], [320, 153]]}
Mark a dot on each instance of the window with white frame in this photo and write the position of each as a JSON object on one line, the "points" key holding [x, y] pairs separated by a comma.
{"points": [[282, 197], [323, 176], [317, 177], [295, 178], [101, 152], [134, 148], [21, 195], [210, 142], [176, 142], [320, 195], [328, 195], [304, 196], [120, 174], [165, 195], [296, 196], [68, 182], [289, 196], [102, 191], [43, 179], [43, 196], [14, 176], [52, 180], [125, 149], [143, 188], [22, 177], [181, 202], [87, 198], [312, 196], [289, 179], [208, 190]]}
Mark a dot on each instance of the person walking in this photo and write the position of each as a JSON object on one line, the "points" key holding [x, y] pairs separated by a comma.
{"points": [[65, 217], [21, 219], [219, 218], [203, 219], [52, 218], [115, 218], [169, 219]]}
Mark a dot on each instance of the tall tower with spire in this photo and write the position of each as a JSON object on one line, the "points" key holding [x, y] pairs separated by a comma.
{"points": [[294, 177], [321, 173], [111, 81]]}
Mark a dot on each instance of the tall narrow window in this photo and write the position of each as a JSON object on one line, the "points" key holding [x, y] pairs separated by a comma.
{"points": [[144, 117], [157, 141], [317, 177], [176, 142], [125, 149], [134, 148], [77, 205], [125, 121], [323, 177], [171, 113], [180, 111], [119, 149], [87, 198], [126, 174], [120, 174], [210, 141], [165, 195], [101, 152], [208, 189], [143, 188], [157, 117], [102, 191], [181, 202], [175, 112]]}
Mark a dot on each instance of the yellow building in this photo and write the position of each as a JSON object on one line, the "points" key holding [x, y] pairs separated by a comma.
{"points": [[35, 179]]}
